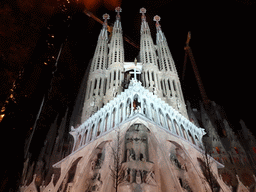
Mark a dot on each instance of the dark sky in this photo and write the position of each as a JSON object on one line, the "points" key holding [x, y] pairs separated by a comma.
{"points": [[223, 43]]}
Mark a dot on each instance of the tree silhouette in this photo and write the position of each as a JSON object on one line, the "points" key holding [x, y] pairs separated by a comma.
{"points": [[116, 170]]}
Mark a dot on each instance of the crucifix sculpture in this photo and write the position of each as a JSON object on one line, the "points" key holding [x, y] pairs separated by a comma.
{"points": [[134, 69]]}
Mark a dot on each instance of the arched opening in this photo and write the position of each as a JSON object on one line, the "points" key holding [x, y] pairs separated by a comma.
{"points": [[161, 118], [121, 112], [98, 128], [128, 108], [106, 123], [176, 127], [197, 140], [153, 112], [113, 117], [85, 136], [91, 133], [184, 132], [78, 142], [191, 138], [136, 102], [169, 122]]}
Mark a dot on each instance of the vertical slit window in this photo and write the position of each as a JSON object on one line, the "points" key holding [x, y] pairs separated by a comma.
{"points": [[105, 86], [169, 85], [148, 79], [99, 87], [153, 79], [109, 80], [95, 84]]}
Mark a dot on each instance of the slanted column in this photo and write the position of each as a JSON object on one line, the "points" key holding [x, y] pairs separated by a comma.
{"points": [[116, 117], [132, 106], [124, 112]]}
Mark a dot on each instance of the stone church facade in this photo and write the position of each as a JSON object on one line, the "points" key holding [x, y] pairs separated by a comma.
{"points": [[136, 132]]}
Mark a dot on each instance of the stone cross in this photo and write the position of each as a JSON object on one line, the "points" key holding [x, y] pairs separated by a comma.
{"points": [[135, 71]]}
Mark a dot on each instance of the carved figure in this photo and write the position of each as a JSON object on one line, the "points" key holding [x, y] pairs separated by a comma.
{"points": [[93, 165], [97, 183], [138, 177]]}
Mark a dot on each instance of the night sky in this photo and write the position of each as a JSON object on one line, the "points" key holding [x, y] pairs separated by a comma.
{"points": [[223, 44]]}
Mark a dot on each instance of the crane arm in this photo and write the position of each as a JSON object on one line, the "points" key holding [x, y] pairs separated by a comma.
{"points": [[188, 51], [90, 14]]}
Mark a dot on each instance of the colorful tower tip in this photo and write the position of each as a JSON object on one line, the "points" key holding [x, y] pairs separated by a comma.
{"points": [[118, 10], [143, 10], [157, 18], [106, 16]]}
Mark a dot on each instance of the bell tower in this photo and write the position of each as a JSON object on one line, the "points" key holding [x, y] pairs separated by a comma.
{"points": [[169, 83], [115, 61], [98, 71]]}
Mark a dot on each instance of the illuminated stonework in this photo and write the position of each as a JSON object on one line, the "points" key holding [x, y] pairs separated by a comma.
{"points": [[135, 133]]}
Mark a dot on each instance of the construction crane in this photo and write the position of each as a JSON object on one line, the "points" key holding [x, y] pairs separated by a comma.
{"points": [[109, 28], [188, 52]]}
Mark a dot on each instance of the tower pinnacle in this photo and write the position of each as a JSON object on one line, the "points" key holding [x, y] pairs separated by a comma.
{"points": [[105, 17], [157, 19], [118, 10], [143, 11]]}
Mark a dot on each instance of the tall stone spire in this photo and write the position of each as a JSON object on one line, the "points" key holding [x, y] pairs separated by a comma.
{"points": [[116, 48], [164, 55], [169, 80], [94, 90], [115, 61], [100, 56], [147, 48]]}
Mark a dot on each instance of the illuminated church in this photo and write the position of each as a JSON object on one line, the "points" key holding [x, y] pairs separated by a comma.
{"points": [[136, 132]]}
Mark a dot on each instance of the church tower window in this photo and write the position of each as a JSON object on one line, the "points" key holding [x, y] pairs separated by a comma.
{"points": [[99, 87], [105, 86]]}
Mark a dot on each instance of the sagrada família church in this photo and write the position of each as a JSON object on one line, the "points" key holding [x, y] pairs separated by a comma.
{"points": [[137, 133]]}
